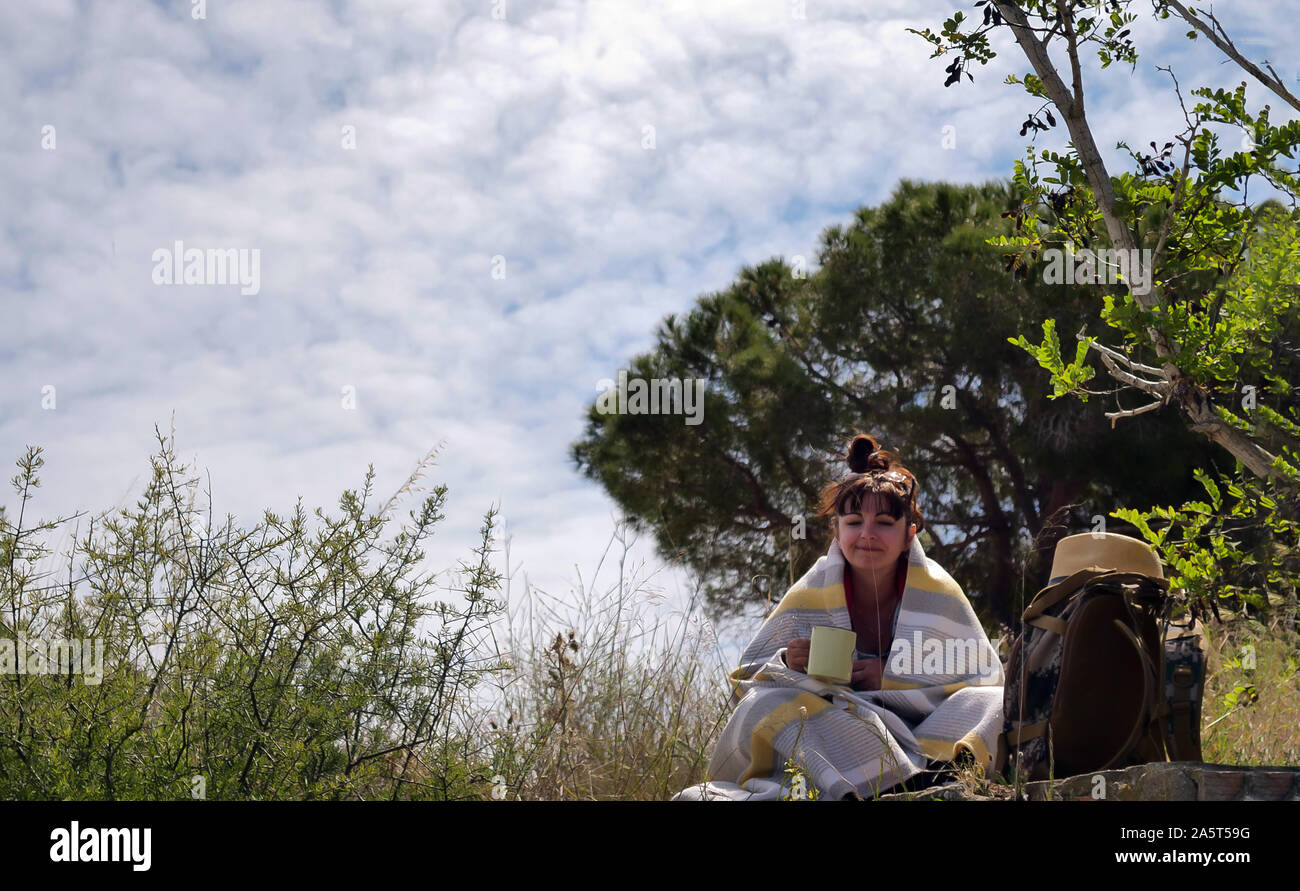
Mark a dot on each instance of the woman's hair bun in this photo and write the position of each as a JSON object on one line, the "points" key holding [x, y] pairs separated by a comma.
{"points": [[865, 454]]}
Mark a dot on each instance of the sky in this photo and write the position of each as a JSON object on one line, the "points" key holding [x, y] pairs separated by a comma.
{"points": [[465, 215]]}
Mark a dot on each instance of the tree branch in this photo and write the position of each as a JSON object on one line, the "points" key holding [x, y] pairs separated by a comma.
{"points": [[1131, 412], [1190, 396], [1222, 41], [1080, 134]]}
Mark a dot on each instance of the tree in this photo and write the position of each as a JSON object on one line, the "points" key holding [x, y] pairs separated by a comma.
{"points": [[901, 331], [1213, 331]]}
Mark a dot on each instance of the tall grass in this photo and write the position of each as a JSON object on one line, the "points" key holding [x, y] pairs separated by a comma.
{"points": [[615, 694], [1251, 707]]}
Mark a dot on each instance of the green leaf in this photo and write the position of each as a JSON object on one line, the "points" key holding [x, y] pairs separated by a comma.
{"points": [[1209, 485]]}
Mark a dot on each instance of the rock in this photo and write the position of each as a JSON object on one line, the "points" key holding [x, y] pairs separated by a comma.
{"points": [[1178, 781], [1163, 781]]}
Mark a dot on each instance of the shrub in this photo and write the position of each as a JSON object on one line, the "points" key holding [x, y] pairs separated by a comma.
{"points": [[278, 662]]}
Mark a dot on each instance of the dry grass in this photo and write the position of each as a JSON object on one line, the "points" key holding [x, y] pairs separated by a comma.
{"points": [[1249, 715], [613, 697]]}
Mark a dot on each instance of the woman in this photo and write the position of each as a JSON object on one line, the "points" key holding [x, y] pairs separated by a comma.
{"points": [[926, 685]]}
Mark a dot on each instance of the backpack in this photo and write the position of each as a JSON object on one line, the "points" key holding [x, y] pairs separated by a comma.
{"points": [[1098, 679]]}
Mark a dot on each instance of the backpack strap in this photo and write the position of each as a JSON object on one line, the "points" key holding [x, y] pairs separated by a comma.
{"points": [[1179, 727], [1025, 732], [1010, 742], [1181, 740], [1148, 697], [1053, 594], [1048, 623]]}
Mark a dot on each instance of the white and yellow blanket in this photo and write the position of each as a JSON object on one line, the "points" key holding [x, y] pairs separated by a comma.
{"points": [[942, 692]]}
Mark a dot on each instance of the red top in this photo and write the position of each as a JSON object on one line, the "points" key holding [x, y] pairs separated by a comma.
{"points": [[900, 574]]}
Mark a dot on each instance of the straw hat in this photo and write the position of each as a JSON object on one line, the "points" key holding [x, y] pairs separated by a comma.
{"points": [[1103, 550]]}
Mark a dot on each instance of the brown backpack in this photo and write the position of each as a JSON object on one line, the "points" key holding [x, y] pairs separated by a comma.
{"points": [[1098, 679]]}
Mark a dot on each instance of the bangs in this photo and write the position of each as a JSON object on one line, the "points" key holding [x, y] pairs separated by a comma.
{"points": [[859, 493]]}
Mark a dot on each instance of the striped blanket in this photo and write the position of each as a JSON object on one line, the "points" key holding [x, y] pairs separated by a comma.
{"points": [[942, 693]]}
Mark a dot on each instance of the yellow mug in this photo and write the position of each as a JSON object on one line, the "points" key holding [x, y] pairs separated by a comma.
{"points": [[830, 658]]}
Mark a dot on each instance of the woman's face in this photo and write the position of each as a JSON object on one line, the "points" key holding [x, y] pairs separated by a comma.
{"points": [[873, 540]]}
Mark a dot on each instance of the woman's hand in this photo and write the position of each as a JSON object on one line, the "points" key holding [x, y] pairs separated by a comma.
{"points": [[866, 674], [796, 653]]}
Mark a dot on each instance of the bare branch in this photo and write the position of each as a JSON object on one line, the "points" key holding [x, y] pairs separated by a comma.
{"points": [[1177, 202], [1221, 40], [1130, 363], [1131, 412], [1072, 47], [1158, 388]]}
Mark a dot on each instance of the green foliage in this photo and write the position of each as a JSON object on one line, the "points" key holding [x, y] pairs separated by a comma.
{"points": [[1216, 333], [1064, 378], [1240, 549], [278, 662]]}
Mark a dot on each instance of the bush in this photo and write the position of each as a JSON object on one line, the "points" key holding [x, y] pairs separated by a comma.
{"points": [[271, 663]]}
